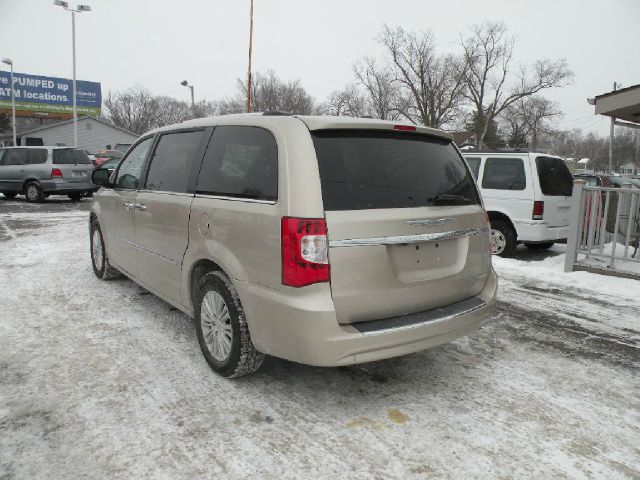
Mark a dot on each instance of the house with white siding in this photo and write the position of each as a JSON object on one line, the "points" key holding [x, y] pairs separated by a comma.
{"points": [[94, 135]]}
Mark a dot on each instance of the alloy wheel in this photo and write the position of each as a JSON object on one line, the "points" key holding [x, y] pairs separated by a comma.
{"points": [[216, 325]]}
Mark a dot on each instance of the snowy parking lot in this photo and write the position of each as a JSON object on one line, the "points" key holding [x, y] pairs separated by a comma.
{"points": [[103, 380]]}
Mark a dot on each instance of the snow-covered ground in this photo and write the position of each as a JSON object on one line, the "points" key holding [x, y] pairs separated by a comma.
{"points": [[102, 380]]}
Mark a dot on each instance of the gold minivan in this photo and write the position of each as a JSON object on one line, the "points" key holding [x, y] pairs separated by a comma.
{"points": [[322, 240]]}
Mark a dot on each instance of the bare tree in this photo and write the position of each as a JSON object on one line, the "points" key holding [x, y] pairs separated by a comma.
{"points": [[135, 109], [434, 84], [269, 93], [348, 101], [537, 111], [527, 119], [491, 88], [138, 110], [383, 99]]}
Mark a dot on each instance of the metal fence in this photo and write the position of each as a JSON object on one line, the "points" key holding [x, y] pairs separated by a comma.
{"points": [[605, 230]]}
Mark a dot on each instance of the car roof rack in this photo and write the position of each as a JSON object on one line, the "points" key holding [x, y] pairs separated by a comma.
{"points": [[498, 150], [276, 113]]}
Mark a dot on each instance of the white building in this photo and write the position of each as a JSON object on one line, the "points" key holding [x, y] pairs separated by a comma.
{"points": [[93, 135]]}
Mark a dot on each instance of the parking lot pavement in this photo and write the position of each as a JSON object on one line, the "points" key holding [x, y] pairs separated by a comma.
{"points": [[103, 380]]}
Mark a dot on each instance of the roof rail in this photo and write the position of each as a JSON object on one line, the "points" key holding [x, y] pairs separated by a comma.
{"points": [[276, 113]]}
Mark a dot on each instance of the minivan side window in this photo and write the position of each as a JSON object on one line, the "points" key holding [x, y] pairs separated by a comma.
{"points": [[15, 156], [70, 156], [504, 174], [474, 165], [172, 162], [241, 162], [131, 167], [36, 156]]}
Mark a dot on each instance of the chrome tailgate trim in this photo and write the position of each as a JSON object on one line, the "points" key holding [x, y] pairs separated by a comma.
{"points": [[406, 239]]}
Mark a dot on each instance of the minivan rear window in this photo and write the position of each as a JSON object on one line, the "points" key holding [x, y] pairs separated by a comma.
{"points": [[69, 156], [555, 177], [364, 169]]}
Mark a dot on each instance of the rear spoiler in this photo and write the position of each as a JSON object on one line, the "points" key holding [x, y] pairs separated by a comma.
{"points": [[347, 123]]}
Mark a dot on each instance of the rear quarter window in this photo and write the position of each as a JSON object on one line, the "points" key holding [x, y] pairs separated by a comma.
{"points": [[364, 169], [504, 174], [555, 177]]}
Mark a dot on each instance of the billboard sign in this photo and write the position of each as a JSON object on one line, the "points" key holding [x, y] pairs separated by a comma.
{"points": [[38, 96]]}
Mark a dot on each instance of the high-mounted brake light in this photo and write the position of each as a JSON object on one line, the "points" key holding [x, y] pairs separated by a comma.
{"points": [[405, 128], [305, 251], [538, 210], [56, 173]]}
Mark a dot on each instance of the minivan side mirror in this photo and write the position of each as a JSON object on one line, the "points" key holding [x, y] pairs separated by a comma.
{"points": [[100, 176]]}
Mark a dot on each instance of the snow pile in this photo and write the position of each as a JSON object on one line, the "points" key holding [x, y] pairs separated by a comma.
{"points": [[548, 267]]}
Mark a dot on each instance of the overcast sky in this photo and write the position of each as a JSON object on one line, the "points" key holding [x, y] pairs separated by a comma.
{"points": [[159, 43]]}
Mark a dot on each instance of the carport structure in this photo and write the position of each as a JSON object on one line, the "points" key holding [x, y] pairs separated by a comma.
{"points": [[623, 106]]}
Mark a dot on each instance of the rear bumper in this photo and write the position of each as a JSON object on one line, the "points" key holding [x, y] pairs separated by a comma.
{"points": [[539, 232], [61, 187], [308, 332]]}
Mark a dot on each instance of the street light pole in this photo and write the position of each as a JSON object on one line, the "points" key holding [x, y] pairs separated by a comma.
{"points": [[184, 83], [8, 61], [78, 9], [75, 106]]}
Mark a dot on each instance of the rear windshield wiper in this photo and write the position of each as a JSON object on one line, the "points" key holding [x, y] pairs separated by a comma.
{"points": [[449, 198]]}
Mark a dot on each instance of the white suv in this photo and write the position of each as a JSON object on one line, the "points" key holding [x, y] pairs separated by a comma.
{"points": [[527, 196]]}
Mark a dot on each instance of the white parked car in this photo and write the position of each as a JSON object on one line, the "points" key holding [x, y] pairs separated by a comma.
{"points": [[527, 196]]}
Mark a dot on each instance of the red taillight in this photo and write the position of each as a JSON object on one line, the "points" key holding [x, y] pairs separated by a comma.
{"points": [[305, 250], [538, 210], [405, 128], [56, 173]]}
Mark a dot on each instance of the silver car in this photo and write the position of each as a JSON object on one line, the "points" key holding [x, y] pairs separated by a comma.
{"points": [[38, 172], [323, 240]]}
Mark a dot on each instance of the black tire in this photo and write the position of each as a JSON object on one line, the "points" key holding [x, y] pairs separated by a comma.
{"points": [[89, 194], [9, 194], [501, 230], [34, 192], [243, 357], [101, 267], [540, 246], [75, 197]]}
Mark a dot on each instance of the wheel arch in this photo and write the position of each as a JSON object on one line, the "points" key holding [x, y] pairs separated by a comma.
{"points": [[198, 270], [496, 215], [27, 182]]}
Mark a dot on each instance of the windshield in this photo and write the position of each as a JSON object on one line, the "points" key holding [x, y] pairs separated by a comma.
{"points": [[113, 163], [374, 169], [69, 156], [591, 181], [619, 181], [555, 177]]}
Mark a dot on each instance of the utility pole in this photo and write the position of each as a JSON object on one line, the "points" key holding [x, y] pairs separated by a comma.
{"points": [[249, 86], [613, 122]]}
